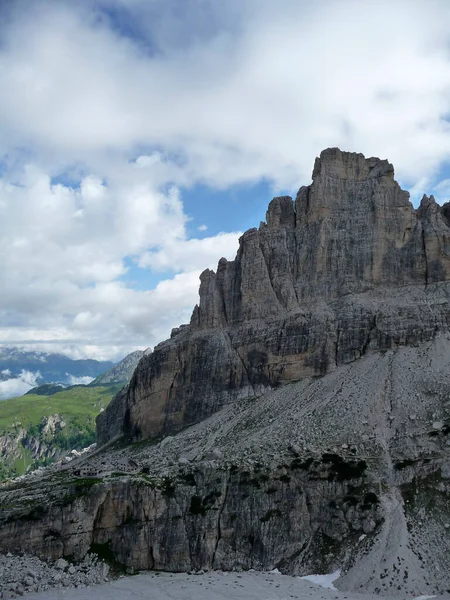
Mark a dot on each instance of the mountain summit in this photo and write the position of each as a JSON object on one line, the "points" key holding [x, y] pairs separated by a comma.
{"points": [[348, 266]]}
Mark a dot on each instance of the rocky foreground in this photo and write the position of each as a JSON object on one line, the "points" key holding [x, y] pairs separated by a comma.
{"points": [[300, 422], [24, 574], [213, 586]]}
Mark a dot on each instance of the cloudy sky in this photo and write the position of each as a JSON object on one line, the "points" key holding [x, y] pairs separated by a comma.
{"points": [[138, 138]]}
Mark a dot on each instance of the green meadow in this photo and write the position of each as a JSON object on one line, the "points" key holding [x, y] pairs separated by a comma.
{"points": [[23, 441]]}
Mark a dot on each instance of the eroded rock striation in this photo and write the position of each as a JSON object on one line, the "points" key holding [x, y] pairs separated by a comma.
{"points": [[349, 266]]}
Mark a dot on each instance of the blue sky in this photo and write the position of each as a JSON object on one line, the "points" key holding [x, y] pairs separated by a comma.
{"points": [[140, 138], [210, 212]]}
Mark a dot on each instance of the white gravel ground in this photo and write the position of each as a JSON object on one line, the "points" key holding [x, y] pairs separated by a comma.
{"points": [[209, 586]]}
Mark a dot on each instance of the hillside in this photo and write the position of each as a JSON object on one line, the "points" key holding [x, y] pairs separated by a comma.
{"points": [[36, 430], [122, 372], [50, 419]]}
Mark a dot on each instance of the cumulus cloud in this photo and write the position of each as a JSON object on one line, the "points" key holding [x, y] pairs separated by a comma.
{"points": [[18, 386], [83, 380], [124, 109], [66, 249], [235, 92], [188, 255]]}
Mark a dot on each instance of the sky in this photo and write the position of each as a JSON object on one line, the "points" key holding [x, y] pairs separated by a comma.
{"points": [[140, 138]]}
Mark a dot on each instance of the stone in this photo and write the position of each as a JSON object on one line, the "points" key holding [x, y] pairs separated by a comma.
{"points": [[213, 454], [61, 564], [295, 449], [348, 267], [167, 440]]}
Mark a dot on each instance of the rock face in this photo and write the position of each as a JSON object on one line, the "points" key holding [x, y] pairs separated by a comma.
{"points": [[122, 372], [350, 471], [37, 445], [349, 266], [315, 377]]}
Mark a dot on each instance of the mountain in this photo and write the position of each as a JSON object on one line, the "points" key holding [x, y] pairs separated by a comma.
{"points": [[41, 367], [119, 373], [122, 372], [299, 422], [348, 267]]}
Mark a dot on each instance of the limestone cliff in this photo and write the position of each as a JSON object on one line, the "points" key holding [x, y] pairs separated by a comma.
{"points": [[315, 377], [349, 471], [349, 266]]}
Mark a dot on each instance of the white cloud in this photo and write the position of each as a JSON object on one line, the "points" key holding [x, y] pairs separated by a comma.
{"points": [[260, 94], [17, 386], [66, 250], [84, 380], [188, 255], [85, 233], [216, 93], [442, 191]]}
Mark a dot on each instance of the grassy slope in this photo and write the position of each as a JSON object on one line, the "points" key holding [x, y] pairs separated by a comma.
{"points": [[78, 407], [78, 403]]}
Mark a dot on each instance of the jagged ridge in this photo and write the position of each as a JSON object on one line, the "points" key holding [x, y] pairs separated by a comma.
{"points": [[350, 266]]}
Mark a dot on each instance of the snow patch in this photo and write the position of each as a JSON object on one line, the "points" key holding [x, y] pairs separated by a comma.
{"points": [[325, 581]]}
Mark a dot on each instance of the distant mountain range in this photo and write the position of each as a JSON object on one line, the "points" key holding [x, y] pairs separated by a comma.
{"points": [[119, 373], [52, 368], [22, 370], [51, 419]]}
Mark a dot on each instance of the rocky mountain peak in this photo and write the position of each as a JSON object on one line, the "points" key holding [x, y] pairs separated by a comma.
{"points": [[350, 165], [348, 267], [351, 230], [280, 213]]}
